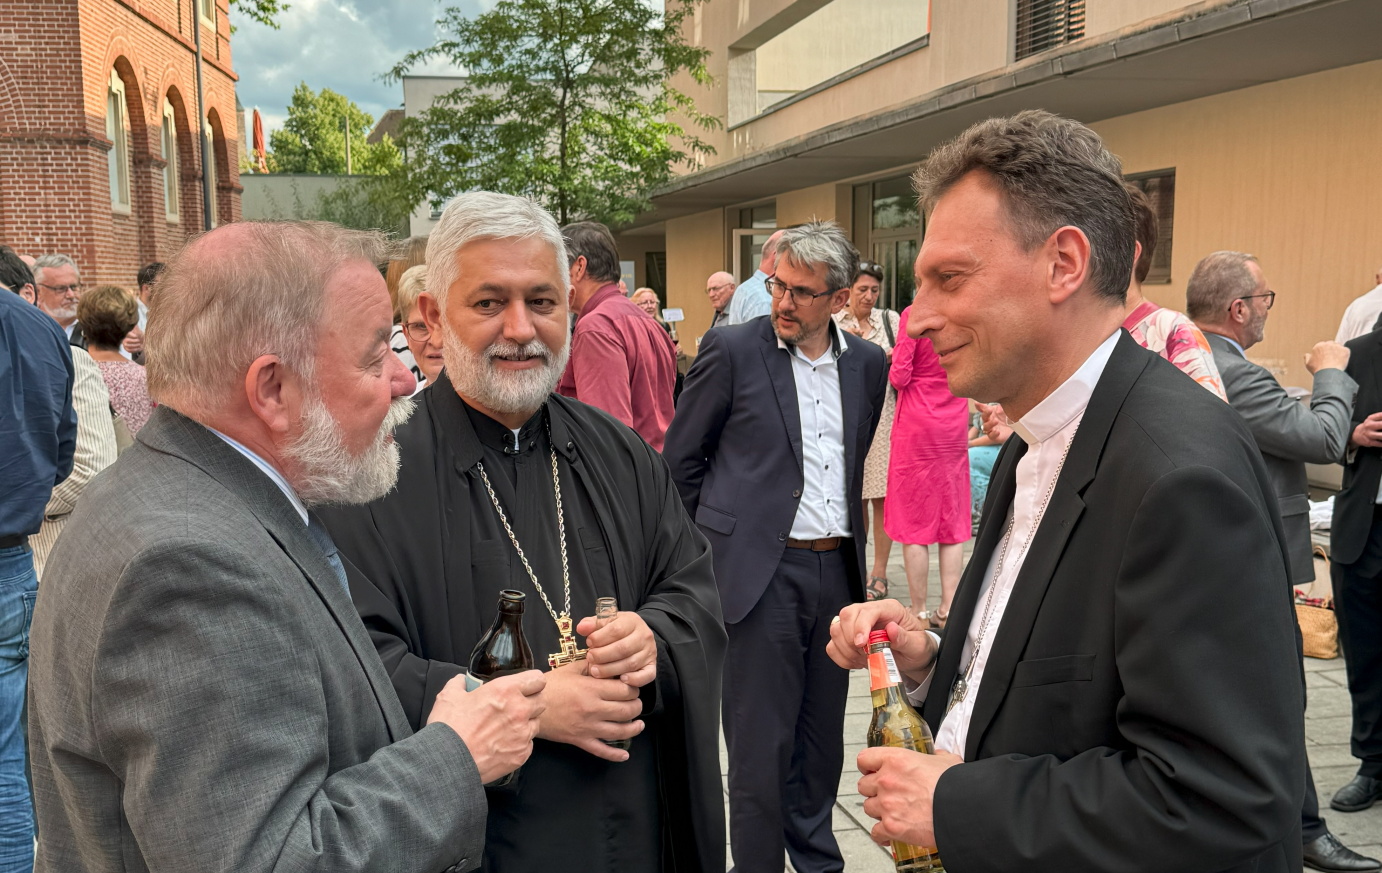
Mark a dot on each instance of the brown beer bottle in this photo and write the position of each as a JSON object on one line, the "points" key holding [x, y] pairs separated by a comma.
{"points": [[501, 651], [895, 723]]}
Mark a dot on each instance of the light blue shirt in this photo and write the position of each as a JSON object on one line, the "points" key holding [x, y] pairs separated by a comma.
{"points": [[824, 508], [750, 300], [268, 470]]}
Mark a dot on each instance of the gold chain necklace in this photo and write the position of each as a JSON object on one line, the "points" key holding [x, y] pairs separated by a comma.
{"points": [[569, 653], [960, 689]]}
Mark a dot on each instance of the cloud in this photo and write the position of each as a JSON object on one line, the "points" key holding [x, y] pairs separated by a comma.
{"points": [[338, 44]]}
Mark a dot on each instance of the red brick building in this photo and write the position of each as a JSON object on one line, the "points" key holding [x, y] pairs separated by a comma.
{"points": [[99, 151]]}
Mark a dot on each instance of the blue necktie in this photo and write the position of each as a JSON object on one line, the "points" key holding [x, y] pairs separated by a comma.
{"points": [[318, 533]]}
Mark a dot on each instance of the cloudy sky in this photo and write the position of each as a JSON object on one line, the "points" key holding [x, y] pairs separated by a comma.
{"points": [[344, 45]]}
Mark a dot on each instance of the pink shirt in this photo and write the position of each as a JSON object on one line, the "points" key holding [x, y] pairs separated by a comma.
{"points": [[623, 362], [1175, 337]]}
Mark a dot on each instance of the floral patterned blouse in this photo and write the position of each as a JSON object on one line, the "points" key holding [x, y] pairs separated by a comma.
{"points": [[129, 393], [1174, 336]]}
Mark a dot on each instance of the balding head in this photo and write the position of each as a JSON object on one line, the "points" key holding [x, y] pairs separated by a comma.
{"points": [[277, 334], [241, 291], [720, 288], [768, 263]]}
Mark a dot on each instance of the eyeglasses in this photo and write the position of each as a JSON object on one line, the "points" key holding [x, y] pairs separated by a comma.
{"points": [[62, 289], [800, 296], [713, 288], [1270, 295], [417, 331], [870, 267]]}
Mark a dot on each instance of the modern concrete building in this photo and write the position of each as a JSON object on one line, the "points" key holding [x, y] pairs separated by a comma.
{"points": [[1254, 124]]}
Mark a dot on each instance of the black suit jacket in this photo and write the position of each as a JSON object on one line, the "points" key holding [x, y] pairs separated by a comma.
{"points": [[735, 451], [1142, 704], [1355, 504]]}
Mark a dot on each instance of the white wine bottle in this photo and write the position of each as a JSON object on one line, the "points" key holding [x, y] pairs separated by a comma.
{"points": [[895, 723]]}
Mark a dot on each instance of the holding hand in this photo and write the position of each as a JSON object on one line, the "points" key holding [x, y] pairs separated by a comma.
{"points": [[134, 341], [899, 789], [1368, 433], [497, 721], [995, 421], [624, 648], [582, 711], [914, 649]]}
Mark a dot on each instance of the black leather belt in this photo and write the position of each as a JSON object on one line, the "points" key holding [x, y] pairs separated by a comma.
{"points": [[10, 542], [825, 544]]}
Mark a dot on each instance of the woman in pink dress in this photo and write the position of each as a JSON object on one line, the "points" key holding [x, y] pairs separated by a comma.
{"points": [[928, 471]]}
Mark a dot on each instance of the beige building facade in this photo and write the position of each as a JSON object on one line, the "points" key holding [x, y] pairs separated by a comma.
{"points": [[1254, 125]]}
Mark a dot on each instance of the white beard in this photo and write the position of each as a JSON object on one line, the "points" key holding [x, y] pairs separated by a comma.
{"points": [[520, 392], [327, 473]]}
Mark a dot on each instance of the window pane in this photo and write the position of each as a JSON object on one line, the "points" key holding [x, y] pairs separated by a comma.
{"points": [[112, 134], [894, 204], [1160, 188], [170, 172]]}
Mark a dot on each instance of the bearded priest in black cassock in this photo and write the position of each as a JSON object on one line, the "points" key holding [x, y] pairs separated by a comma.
{"points": [[427, 563]]}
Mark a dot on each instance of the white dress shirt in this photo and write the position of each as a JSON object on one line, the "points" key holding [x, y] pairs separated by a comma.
{"points": [[268, 470], [824, 507], [1360, 316], [1048, 431]]}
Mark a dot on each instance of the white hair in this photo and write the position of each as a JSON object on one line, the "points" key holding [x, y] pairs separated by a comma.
{"points": [[485, 215], [54, 262]]}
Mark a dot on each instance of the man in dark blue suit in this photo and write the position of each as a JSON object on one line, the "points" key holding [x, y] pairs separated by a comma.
{"points": [[767, 449]]}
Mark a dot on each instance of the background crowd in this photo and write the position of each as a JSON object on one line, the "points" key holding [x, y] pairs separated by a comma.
{"points": [[857, 408]]}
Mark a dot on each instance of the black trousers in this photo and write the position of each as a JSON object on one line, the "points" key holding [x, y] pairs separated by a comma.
{"points": [[1358, 607], [784, 711]]}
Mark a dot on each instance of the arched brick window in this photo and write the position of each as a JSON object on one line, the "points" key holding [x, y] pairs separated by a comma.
{"points": [[118, 132], [168, 142]]}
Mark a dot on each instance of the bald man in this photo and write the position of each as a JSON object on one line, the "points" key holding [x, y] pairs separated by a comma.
{"points": [[720, 289]]}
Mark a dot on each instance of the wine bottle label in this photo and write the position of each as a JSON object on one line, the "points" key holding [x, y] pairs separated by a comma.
{"points": [[883, 670]]}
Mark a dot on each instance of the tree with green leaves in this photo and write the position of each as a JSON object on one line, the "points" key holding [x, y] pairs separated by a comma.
{"points": [[569, 102], [265, 12], [313, 138]]}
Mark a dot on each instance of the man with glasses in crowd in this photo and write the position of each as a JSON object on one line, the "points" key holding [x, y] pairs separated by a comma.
{"points": [[720, 289], [59, 286], [767, 449], [1228, 299]]}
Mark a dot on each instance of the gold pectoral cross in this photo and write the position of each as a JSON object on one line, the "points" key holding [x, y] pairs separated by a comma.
{"points": [[569, 654]]}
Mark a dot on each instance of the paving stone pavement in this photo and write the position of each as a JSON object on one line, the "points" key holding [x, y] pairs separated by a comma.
{"points": [[1327, 726]]}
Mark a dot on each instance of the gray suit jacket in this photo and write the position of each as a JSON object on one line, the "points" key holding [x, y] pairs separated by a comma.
{"points": [[1289, 436], [203, 696]]}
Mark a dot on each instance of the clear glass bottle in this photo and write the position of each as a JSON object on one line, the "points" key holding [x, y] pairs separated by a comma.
{"points": [[606, 610]]}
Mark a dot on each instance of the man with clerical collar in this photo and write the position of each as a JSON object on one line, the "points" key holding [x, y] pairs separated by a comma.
{"points": [[499, 475], [1120, 685]]}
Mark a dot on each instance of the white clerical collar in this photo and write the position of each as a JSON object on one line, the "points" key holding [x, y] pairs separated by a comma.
{"points": [[1068, 402], [268, 469]]}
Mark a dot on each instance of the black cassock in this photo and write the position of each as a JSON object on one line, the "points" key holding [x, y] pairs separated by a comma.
{"points": [[427, 563]]}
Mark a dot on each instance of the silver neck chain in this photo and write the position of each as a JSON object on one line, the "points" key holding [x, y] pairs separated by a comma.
{"points": [[561, 531], [968, 672]]}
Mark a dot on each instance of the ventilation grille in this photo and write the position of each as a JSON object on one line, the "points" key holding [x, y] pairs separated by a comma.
{"points": [[1045, 24]]}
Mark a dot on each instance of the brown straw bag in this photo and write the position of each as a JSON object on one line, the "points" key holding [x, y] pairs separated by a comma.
{"points": [[1319, 629]]}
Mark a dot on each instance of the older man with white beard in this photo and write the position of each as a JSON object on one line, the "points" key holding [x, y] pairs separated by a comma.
{"points": [[505, 485], [202, 695]]}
